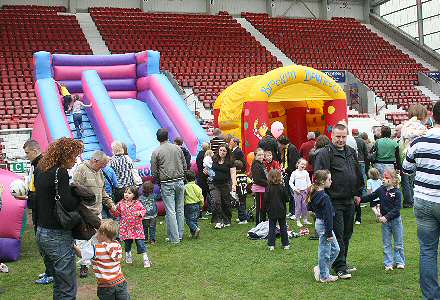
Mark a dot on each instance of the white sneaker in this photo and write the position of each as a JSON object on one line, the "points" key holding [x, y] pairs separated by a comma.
{"points": [[400, 266], [299, 224], [357, 223], [243, 222], [292, 217], [388, 268], [287, 247], [288, 215], [218, 226], [147, 263], [316, 272], [331, 278], [227, 225], [4, 268], [128, 258], [271, 248]]}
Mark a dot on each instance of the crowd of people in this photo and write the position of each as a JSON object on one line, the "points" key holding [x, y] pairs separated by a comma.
{"points": [[326, 179]]}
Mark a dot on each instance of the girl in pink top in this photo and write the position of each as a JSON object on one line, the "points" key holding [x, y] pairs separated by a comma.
{"points": [[131, 211]]}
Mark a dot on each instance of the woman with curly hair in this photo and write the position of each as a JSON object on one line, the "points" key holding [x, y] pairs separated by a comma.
{"points": [[56, 243]]}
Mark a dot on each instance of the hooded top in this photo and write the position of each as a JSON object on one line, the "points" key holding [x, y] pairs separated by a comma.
{"points": [[322, 206]]}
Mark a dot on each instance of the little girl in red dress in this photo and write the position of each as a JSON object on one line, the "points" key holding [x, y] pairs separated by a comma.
{"points": [[131, 212]]}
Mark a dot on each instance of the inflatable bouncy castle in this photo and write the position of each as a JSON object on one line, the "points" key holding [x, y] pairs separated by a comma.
{"points": [[12, 220], [130, 100], [301, 98]]}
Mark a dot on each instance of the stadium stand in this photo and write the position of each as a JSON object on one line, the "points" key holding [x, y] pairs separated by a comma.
{"points": [[345, 44], [205, 52], [24, 30]]}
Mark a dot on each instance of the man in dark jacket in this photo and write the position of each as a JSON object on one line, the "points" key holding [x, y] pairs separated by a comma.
{"points": [[202, 179], [237, 153], [269, 143], [32, 149], [289, 158], [179, 142], [342, 163]]}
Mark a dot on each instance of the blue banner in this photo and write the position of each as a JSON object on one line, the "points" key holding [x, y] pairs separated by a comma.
{"points": [[435, 75], [338, 76]]}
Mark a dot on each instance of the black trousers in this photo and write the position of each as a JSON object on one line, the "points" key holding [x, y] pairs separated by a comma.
{"points": [[260, 209], [290, 193], [343, 227], [221, 200], [358, 217], [272, 232]]}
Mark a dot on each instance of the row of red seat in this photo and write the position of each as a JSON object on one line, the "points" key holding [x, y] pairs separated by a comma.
{"points": [[195, 48], [331, 43], [23, 31]]}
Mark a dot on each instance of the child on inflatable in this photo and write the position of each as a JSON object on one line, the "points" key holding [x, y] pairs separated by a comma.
{"points": [[77, 106]]}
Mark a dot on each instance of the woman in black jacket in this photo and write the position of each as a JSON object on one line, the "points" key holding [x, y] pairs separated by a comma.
{"points": [[220, 187], [56, 243], [275, 200], [259, 176]]}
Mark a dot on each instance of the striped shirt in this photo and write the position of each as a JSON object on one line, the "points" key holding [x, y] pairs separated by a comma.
{"points": [[122, 164], [423, 157], [107, 264]]}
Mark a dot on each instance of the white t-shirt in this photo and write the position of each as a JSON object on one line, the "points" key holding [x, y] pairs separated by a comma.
{"points": [[299, 180], [373, 184]]}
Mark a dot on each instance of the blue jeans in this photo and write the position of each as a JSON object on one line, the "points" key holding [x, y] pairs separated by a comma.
{"points": [[191, 216], [393, 230], [172, 196], [428, 231], [327, 250], [149, 227], [77, 121], [408, 189], [140, 245], [119, 292], [56, 246]]}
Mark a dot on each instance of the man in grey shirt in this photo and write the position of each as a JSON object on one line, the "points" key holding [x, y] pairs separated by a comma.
{"points": [[168, 167]]}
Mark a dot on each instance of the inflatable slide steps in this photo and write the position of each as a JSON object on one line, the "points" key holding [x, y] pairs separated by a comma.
{"points": [[89, 137]]}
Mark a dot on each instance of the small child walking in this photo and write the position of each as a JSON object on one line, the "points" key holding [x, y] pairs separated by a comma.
{"points": [[300, 182], [320, 203], [373, 183], [242, 184], [131, 213], [77, 106], [106, 258], [390, 199], [148, 200], [275, 199], [259, 176], [193, 203]]}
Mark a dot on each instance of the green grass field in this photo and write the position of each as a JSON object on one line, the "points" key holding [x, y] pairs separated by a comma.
{"points": [[224, 264]]}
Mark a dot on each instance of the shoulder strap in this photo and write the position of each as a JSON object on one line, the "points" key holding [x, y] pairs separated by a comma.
{"points": [[108, 179], [57, 195]]}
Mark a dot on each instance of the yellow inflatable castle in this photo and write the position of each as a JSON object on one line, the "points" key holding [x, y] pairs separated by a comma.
{"points": [[302, 98]]}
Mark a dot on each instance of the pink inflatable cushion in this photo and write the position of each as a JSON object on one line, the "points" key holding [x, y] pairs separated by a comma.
{"points": [[11, 214], [105, 72]]}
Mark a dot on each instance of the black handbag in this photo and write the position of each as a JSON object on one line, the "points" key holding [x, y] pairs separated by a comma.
{"points": [[90, 222], [67, 219]]}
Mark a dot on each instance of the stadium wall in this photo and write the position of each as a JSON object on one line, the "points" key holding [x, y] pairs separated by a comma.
{"points": [[286, 8]]}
